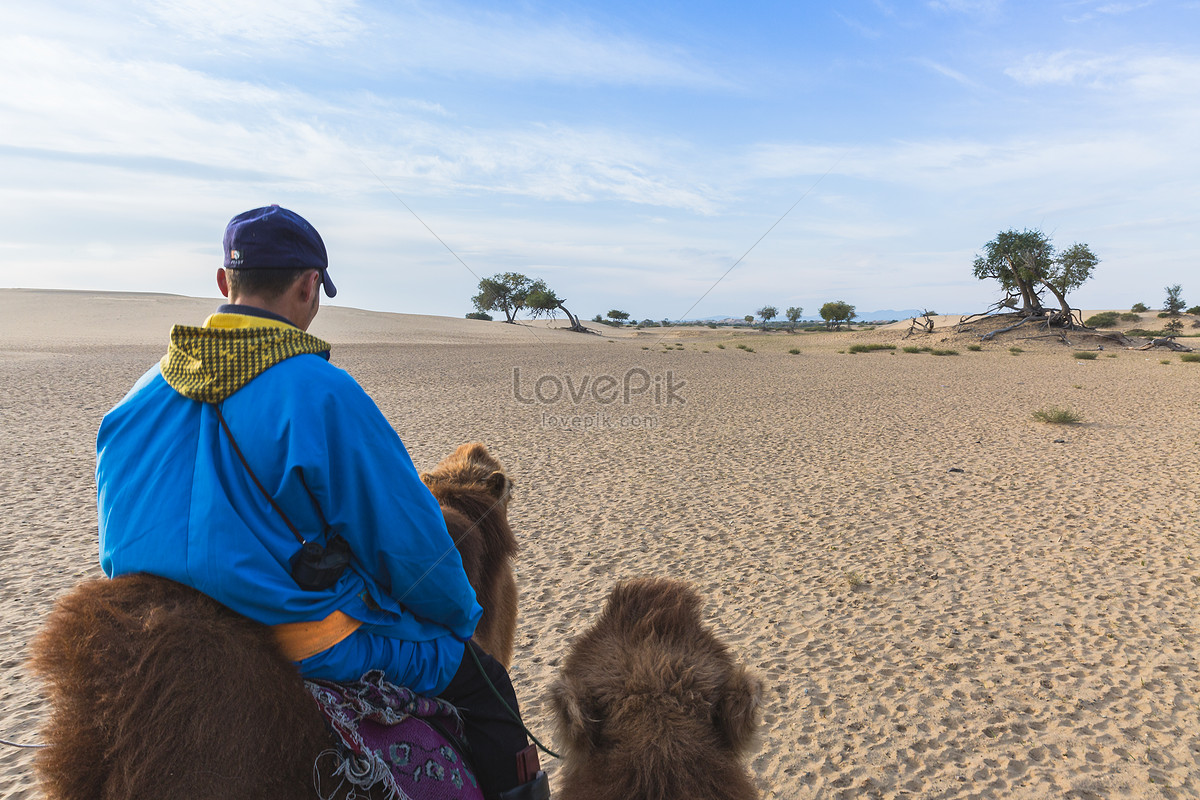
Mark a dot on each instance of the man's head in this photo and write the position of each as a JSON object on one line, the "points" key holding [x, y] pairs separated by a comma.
{"points": [[275, 259]]}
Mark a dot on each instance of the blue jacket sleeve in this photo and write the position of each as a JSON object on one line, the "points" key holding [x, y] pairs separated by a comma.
{"points": [[371, 494]]}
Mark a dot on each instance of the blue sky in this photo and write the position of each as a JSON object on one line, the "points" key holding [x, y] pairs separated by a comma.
{"points": [[627, 155]]}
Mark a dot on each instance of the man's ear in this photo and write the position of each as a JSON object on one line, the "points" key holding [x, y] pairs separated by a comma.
{"points": [[311, 282], [222, 281]]}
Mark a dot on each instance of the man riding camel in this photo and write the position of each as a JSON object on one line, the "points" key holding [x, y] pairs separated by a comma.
{"points": [[247, 466]]}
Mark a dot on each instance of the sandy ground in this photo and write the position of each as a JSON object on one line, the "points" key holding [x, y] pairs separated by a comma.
{"points": [[945, 598]]}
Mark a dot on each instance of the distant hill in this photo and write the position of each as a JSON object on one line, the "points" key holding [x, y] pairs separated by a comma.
{"points": [[888, 313]]}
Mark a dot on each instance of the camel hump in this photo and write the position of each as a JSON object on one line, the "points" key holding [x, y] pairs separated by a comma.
{"points": [[140, 669]]}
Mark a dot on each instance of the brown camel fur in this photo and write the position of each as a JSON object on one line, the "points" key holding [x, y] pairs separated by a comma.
{"points": [[157, 691], [474, 494], [650, 705]]}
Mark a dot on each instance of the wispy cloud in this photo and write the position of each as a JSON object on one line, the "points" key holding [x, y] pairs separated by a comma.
{"points": [[441, 38], [510, 46], [1160, 74], [318, 22], [858, 27], [945, 71], [145, 115], [1092, 9], [979, 7]]}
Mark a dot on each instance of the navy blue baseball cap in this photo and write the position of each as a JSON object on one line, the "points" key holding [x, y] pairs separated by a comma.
{"points": [[275, 238]]}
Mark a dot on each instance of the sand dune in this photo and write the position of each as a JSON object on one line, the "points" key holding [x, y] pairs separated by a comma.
{"points": [[1023, 627]]}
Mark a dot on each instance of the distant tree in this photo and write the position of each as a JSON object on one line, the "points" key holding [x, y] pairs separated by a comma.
{"points": [[749, 318], [793, 314], [1174, 303], [618, 316], [836, 312], [506, 292], [1139, 308], [766, 314], [647, 323], [542, 302], [1174, 327], [1194, 310], [483, 315], [1025, 264]]}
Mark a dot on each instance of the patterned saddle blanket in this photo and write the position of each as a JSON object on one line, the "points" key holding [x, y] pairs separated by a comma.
{"points": [[398, 744]]}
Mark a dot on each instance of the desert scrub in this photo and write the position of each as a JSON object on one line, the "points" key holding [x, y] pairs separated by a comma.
{"points": [[870, 348], [747, 348], [794, 351], [936, 352], [974, 348], [1086, 355], [1129, 316], [720, 347], [915, 349], [1057, 416], [1105, 319], [1016, 351], [1190, 358]]}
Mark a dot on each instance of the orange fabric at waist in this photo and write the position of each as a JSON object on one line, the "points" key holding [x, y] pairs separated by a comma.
{"points": [[300, 640]]}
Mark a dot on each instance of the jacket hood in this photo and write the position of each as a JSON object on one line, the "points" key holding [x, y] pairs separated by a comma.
{"points": [[212, 362]]}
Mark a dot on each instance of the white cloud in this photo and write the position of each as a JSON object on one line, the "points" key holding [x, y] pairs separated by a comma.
{"points": [[1093, 9], [952, 74], [160, 116], [509, 46], [318, 22], [982, 7], [1142, 73], [858, 27]]}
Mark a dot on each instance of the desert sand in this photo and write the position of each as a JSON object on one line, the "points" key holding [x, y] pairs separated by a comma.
{"points": [[945, 598]]}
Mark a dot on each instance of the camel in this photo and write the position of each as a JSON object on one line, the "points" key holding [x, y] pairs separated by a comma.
{"points": [[474, 492], [650, 705], [159, 691]]}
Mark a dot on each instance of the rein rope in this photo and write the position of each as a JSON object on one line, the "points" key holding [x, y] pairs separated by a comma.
{"points": [[503, 702]]}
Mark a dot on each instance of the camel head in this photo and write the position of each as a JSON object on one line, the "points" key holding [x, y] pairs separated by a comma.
{"points": [[471, 466], [650, 704]]}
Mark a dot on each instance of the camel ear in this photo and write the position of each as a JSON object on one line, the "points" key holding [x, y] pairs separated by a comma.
{"points": [[573, 722], [735, 714], [500, 485]]}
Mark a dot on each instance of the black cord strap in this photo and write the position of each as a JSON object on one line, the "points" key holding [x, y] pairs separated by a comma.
{"points": [[253, 477]]}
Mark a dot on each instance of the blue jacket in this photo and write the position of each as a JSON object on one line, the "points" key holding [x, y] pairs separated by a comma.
{"points": [[174, 500]]}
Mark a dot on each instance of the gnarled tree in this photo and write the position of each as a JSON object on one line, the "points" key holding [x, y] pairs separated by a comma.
{"points": [[1026, 266], [542, 301]]}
